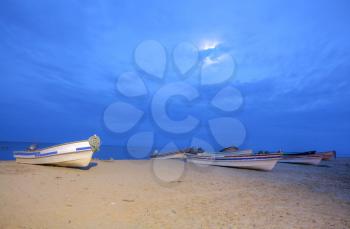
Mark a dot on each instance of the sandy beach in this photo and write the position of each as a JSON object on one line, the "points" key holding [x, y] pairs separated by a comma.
{"points": [[171, 194]]}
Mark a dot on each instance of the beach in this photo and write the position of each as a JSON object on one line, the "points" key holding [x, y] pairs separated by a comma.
{"points": [[173, 194]]}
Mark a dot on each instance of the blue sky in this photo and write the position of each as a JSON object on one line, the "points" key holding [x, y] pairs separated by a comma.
{"points": [[60, 61]]}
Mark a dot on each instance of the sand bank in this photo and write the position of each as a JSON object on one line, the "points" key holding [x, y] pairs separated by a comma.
{"points": [[170, 194]]}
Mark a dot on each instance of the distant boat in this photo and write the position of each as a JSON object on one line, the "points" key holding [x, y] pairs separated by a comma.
{"points": [[180, 154], [234, 152], [300, 153], [256, 162], [72, 154], [307, 158], [172, 155], [230, 149], [328, 155]]}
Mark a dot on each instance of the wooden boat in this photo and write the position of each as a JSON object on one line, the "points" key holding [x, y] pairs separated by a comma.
{"points": [[256, 162], [72, 154], [307, 159], [328, 155]]}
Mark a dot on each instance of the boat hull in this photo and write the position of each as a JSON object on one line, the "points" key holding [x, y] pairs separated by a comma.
{"points": [[306, 160], [326, 156], [74, 159], [255, 164]]}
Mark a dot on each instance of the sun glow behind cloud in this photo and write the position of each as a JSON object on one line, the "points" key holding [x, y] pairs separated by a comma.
{"points": [[208, 44]]}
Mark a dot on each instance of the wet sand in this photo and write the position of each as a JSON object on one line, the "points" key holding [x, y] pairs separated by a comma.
{"points": [[171, 194]]}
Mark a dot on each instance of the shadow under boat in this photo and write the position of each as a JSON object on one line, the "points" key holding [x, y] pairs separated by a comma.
{"points": [[89, 166]]}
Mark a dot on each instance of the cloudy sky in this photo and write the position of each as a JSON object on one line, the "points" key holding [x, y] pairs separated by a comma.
{"points": [[61, 61]]}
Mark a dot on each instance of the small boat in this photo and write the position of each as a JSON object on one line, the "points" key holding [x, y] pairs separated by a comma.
{"points": [[72, 154], [256, 162], [300, 153], [172, 155], [307, 159], [230, 149], [237, 152], [176, 154], [328, 155]]}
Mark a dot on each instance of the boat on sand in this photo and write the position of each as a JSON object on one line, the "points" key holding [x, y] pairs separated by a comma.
{"points": [[307, 158], [235, 151], [257, 162], [328, 155], [71, 154]]}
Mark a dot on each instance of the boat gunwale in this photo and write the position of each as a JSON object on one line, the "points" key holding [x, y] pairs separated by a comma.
{"points": [[235, 158]]}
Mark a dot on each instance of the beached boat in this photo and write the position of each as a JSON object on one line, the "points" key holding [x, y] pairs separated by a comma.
{"points": [[180, 154], [72, 154], [307, 159], [328, 155], [172, 155], [230, 149], [257, 162], [236, 152], [299, 153]]}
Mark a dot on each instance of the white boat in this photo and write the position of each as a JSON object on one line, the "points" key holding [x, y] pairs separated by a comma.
{"points": [[72, 154], [311, 159], [256, 162]]}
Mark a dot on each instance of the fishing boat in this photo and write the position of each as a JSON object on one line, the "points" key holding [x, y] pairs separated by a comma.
{"points": [[171, 155], [180, 154], [300, 153], [257, 162], [307, 158], [71, 154], [328, 155], [235, 150]]}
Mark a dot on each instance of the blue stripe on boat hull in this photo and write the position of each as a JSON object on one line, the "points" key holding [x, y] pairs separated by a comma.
{"points": [[83, 148], [39, 155]]}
